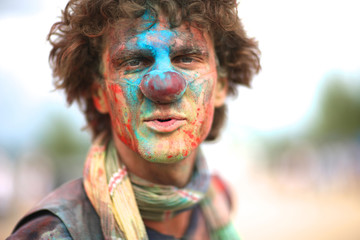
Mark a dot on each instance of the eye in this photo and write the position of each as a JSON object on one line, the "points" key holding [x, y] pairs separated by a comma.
{"points": [[189, 61], [134, 62], [186, 59]]}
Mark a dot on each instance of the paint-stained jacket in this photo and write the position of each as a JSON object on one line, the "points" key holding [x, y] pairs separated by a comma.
{"points": [[68, 203], [68, 214]]}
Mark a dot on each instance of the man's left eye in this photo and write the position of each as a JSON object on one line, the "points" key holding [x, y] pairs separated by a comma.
{"points": [[186, 59]]}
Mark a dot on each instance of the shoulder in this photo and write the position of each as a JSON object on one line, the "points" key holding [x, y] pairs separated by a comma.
{"points": [[65, 208], [44, 226]]}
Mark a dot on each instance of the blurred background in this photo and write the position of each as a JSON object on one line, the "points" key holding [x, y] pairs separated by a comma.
{"points": [[291, 146]]}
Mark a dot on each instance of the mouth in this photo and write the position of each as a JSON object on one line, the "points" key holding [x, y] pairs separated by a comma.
{"points": [[165, 124]]}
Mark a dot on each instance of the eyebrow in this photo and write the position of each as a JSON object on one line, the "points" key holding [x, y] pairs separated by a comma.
{"points": [[130, 53], [188, 49], [184, 49]]}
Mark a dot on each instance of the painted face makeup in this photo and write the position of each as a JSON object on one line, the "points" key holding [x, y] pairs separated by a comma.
{"points": [[160, 87]]}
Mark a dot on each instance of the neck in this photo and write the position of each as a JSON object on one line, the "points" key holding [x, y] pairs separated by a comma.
{"points": [[176, 174]]}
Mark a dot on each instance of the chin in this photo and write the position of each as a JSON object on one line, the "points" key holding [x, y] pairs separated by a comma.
{"points": [[166, 153]]}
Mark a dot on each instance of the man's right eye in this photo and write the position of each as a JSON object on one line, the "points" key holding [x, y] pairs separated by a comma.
{"points": [[135, 65], [134, 62]]}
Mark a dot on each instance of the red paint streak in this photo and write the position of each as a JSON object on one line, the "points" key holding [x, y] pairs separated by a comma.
{"points": [[122, 138], [189, 133], [123, 129], [116, 90], [128, 125]]}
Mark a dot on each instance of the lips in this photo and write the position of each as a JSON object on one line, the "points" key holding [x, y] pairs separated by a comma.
{"points": [[164, 124]]}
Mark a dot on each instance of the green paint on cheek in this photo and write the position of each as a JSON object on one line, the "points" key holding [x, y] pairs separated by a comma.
{"points": [[196, 88]]}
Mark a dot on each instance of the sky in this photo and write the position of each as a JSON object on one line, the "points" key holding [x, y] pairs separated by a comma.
{"points": [[301, 42]]}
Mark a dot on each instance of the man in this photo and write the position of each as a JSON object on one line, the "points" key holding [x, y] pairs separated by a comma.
{"points": [[153, 76]]}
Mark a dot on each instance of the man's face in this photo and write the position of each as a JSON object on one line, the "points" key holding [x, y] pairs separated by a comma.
{"points": [[159, 131]]}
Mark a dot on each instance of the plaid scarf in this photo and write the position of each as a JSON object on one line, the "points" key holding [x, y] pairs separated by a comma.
{"points": [[122, 199]]}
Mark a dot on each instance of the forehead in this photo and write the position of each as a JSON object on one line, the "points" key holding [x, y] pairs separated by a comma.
{"points": [[142, 33]]}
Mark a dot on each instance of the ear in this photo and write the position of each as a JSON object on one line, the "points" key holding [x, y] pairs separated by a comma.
{"points": [[99, 98], [221, 90]]}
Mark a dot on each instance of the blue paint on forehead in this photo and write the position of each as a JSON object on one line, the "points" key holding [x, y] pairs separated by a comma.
{"points": [[165, 34], [157, 39]]}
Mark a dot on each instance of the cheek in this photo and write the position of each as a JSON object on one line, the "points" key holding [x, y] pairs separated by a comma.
{"points": [[202, 94], [121, 114], [205, 117], [117, 101], [202, 110], [124, 100]]}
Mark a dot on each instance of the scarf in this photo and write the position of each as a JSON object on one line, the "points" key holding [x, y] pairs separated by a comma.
{"points": [[122, 199]]}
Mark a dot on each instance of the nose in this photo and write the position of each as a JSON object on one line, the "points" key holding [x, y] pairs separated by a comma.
{"points": [[163, 87]]}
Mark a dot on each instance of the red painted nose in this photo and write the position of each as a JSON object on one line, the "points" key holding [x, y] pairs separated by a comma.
{"points": [[163, 87]]}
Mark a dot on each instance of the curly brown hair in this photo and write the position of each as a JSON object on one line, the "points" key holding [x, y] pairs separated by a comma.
{"points": [[77, 41]]}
